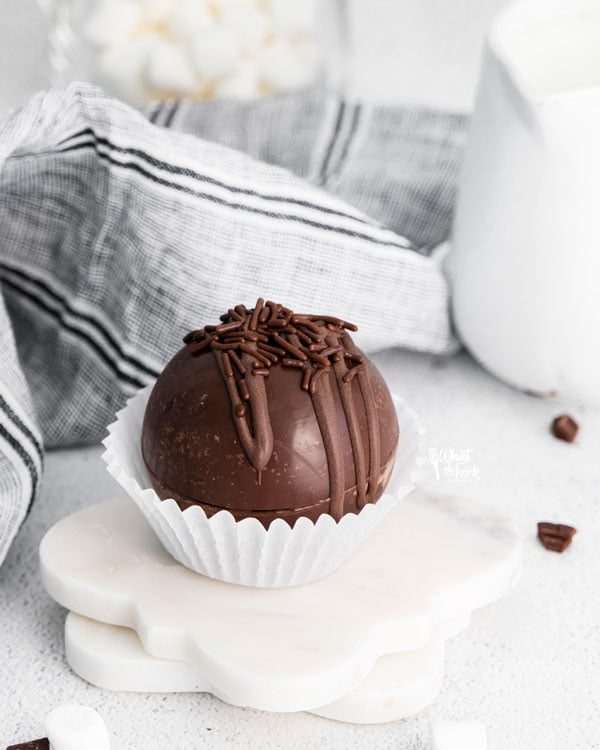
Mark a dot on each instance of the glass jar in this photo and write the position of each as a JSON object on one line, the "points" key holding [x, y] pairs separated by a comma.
{"points": [[147, 50]]}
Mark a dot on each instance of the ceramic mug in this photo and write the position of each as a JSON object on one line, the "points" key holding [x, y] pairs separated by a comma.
{"points": [[525, 262]]}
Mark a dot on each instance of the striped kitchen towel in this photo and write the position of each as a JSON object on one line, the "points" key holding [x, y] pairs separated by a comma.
{"points": [[120, 232]]}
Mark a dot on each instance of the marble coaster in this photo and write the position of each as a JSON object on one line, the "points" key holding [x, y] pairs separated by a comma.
{"points": [[112, 658], [294, 649]]}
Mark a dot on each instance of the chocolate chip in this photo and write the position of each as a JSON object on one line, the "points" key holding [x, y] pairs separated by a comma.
{"points": [[42, 744], [565, 428], [555, 536]]}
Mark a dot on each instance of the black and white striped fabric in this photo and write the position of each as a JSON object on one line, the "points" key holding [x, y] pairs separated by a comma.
{"points": [[120, 232]]}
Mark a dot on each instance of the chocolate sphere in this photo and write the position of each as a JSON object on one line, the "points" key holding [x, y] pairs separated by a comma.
{"points": [[270, 415]]}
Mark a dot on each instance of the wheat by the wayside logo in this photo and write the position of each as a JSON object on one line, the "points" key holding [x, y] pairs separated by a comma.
{"points": [[454, 464]]}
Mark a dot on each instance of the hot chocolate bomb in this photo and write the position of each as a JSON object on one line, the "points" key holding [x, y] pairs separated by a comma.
{"points": [[270, 415]]}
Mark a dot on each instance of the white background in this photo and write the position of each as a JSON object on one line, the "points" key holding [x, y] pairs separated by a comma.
{"points": [[414, 51]]}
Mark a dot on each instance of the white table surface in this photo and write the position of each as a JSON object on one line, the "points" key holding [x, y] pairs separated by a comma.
{"points": [[529, 665]]}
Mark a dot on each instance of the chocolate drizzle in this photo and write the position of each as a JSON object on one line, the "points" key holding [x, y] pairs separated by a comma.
{"points": [[372, 421], [248, 343]]}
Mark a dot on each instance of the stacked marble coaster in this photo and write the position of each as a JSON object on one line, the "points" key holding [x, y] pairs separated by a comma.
{"points": [[365, 644]]}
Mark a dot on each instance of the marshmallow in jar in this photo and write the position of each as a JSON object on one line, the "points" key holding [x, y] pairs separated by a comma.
{"points": [[143, 50]]}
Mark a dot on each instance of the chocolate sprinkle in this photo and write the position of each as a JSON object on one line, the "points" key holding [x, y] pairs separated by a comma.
{"points": [[247, 343], [565, 428], [555, 536]]}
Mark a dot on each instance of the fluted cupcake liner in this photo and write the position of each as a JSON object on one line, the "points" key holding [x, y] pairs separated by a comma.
{"points": [[244, 552]]}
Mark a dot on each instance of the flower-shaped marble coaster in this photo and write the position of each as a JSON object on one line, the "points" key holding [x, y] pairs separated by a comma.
{"points": [[431, 561], [111, 657]]}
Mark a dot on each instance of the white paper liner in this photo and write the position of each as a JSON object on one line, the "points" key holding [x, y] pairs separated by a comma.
{"points": [[244, 552]]}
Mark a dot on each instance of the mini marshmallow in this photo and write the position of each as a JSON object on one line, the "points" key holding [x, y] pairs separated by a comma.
{"points": [[216, 52], [120, 68], [243, 84], [190, 18], [169, 69], [458, 735], [157, 11], [293, 17], [251, 24], [221, 5], [112, 21], [74, 727], [288, 66]]}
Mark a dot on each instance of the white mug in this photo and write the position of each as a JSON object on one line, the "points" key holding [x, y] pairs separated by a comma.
{"points": [[525, 261]]}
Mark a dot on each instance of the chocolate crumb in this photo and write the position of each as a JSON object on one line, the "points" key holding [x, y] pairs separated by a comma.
{"points": [[42, 744], [565, 428], [555, 536]]}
